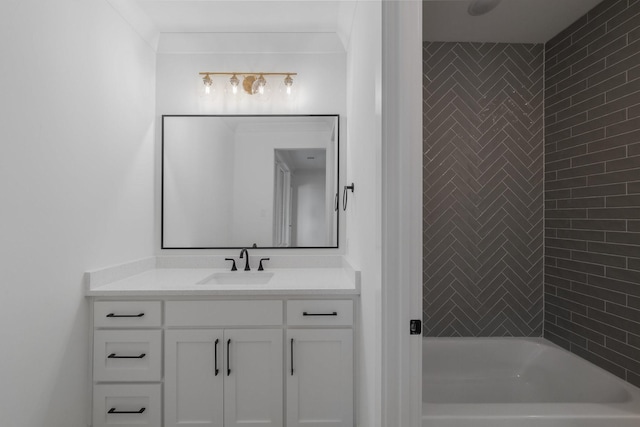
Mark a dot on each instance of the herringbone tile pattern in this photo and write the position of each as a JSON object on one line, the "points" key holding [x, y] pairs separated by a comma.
{"points": [[483, 189]]}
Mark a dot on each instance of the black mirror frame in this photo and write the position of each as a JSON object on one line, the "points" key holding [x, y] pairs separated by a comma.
{"points": [[162, 245]]}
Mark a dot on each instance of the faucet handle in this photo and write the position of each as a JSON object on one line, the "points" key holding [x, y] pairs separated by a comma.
{"points": [[233, 267], [260, 268]]}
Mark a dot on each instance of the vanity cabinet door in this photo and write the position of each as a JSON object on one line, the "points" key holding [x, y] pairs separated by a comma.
{"points": [[253, 383], [223, 378], [319, 378], [194, 378]]}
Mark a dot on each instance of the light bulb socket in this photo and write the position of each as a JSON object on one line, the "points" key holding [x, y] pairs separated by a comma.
{"points": [[288, 81]]}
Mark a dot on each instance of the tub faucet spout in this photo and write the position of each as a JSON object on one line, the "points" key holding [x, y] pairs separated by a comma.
{"points": [[246, 262]]}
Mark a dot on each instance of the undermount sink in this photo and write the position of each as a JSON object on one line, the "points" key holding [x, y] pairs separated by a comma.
{"points": [[237, 278]]}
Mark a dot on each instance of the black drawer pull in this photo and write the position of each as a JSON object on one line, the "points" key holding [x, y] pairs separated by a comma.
{"points": [[334, 313], [215, 363], [292, 356], [115, 356], [125, 315], [228, 354], [114, 411]]}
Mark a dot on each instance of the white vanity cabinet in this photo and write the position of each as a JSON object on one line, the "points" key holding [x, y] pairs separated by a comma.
{"points": [[127, 363], [320, 363], [278, 362], [218, 378], [228, 376]]}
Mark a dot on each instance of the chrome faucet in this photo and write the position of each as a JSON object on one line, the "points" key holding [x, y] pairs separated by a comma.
{"points": [[246, 263]]}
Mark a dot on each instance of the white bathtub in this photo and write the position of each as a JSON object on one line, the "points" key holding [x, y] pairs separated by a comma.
{"points": [[519, 382]]}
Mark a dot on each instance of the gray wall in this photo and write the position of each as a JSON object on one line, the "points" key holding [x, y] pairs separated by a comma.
{"points": [[592, 183], [483, 189]]}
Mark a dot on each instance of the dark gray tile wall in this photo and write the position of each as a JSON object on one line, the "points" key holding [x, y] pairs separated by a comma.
{"points": [[483, 189], [592, 188]]}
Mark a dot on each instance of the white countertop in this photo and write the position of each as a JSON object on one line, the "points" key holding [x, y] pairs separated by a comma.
{"points": [[183, 282]]}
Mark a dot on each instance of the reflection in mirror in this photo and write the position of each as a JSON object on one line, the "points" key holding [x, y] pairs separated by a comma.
{"points": [[240, 181]]}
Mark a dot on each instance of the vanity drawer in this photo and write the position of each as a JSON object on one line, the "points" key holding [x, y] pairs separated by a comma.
{"points": [[127, 355], [126, 405], [223, 313], [320, 312], [127, 314]]}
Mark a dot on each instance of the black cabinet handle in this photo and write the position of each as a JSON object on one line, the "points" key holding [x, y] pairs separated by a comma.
{"points": [[228, 359], [114, 411], [333, 313], [215, 348], [291, 356], [115, 356], [336, 203], [125, 315]]}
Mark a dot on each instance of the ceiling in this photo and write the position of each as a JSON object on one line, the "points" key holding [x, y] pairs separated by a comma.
{"points": [[241, 26], [240, 16], [513, 21], [306, 23], [305, 158]]}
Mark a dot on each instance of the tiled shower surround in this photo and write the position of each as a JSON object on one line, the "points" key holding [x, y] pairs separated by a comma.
{"points": [[483, 189], [592, 184], [481, 241]]}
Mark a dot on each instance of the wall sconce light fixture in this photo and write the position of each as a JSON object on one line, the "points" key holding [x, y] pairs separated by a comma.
{"points": [[252, 83]]}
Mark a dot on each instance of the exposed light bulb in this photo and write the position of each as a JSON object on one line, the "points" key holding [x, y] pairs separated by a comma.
{"points": [[288, 82], [252, 83], [234, 84], [206, 80], [261, 84]]}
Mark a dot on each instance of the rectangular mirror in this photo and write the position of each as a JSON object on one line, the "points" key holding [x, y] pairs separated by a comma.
{"points": [[250, 181]]}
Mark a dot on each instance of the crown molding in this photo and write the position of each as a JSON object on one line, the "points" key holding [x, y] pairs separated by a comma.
{"points": [[250, 43]]}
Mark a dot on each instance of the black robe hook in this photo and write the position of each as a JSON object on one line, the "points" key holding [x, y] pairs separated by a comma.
{"points": [[345, 195]]}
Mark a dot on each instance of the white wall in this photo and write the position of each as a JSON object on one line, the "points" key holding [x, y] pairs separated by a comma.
{"points": [[198, 182], [309, 207], [253, 168], [320, 86], [364, 206], [76, 191]]}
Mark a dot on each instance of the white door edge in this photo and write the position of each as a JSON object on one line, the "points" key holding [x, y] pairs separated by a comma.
{"points": [[401, 211]]}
